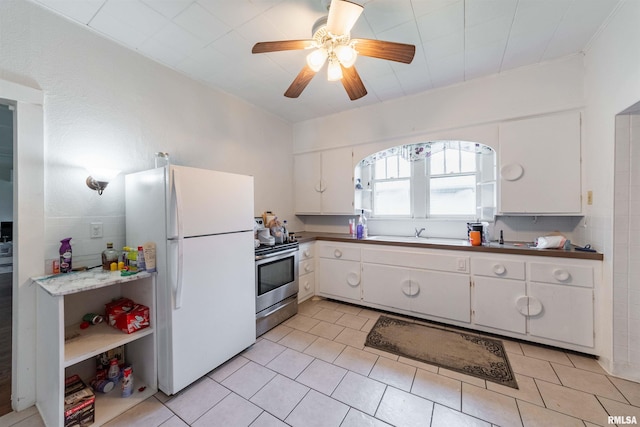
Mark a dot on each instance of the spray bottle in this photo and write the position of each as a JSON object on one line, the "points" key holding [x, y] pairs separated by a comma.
{"points": [[65, 255]]}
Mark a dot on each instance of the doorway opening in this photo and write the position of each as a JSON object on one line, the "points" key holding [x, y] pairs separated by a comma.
{"points": [[6, 253]]}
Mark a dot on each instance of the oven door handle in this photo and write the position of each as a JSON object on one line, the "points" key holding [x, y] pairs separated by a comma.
{"points": [[285, 252]]}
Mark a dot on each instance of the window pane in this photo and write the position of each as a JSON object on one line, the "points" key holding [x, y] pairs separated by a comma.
{"points": [[468, 161], [392, 198], [453, 195], [452, 158], [392, 167], [381, 168], [404, 168], [437, 163]]}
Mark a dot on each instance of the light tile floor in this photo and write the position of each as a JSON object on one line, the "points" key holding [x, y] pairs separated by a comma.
{"points": [[314, 370]]}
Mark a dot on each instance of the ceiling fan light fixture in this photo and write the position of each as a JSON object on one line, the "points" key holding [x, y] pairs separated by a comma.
{"points": [[316, 59], [343, 15], [334, 71], [346, 55]]}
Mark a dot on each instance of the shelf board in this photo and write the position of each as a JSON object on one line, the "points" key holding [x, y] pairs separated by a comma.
{"points": [[112, 404], [96, 339]]}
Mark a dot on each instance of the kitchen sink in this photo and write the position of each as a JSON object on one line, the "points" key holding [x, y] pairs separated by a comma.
{"points": [[423, 240]]}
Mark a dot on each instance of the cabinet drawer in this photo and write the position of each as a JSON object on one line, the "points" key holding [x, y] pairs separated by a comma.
{"points": [[349, 253], [306, 267], [563, 274], [422, 260], [507, 269], [306, 251]]}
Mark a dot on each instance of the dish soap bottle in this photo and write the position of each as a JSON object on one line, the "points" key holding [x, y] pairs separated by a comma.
{"points": [[65, 255]]}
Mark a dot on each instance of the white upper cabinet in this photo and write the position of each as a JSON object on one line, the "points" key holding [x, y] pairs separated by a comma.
{"points": [[539, 165], [323, 182]]}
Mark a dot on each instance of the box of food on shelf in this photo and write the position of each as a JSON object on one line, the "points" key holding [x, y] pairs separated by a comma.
{"points": [[126, 315], [79, 403]]}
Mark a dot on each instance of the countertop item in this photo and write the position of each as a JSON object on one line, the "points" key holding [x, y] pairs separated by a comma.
{"points": [[515, 248]]}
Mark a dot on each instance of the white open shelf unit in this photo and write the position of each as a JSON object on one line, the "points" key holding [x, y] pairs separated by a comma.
{"points": [[64, 349]]}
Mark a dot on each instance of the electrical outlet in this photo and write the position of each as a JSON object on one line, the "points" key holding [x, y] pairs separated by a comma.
{"points": [[589, 197], [96, 230]]}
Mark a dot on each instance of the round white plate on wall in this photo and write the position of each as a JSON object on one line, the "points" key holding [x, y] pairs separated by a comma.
{"points": [[511, 172]]}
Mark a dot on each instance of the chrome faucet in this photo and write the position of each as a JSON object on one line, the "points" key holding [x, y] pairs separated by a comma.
{"points": [[418, 232]]}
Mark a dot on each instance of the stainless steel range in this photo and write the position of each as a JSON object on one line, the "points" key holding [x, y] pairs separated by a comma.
{"points": [[276, 285]]}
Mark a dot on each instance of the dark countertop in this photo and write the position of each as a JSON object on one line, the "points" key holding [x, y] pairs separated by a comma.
{"points": [[513, 248]]}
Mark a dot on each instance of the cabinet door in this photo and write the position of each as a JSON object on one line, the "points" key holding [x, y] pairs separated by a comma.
{"points": [[563, 313], [439, 294], [540, 165], [337, 181], [306, 183], [338, 278], [306, 284], [495, 304], [387, 286]]}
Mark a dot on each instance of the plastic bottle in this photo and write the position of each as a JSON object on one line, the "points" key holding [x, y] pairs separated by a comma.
{"points": [[132, 258], [114, 370], [127, 382], [65, 255], [365, 229], [360, 228], [123, 256], [141, 263], [109, 256]]}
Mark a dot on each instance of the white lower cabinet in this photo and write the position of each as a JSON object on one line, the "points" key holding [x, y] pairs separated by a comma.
{"points": [[495, 304], [387, 286], [425, 292], [548, 302], [306, 272], [338, 274], [64, 349], [445, 295], [534, 298]]}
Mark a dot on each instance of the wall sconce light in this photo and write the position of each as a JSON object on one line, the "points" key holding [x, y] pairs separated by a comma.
{"points": [[99, 178]]}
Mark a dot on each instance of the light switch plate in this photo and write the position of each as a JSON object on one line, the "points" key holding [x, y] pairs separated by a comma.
{"points": [[96, 230]]}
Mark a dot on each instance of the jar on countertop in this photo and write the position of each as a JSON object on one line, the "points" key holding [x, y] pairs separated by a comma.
{"points": [[109, 256]]}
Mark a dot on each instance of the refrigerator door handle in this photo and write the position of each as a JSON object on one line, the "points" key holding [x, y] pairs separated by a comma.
{"points": [[176, 190]]}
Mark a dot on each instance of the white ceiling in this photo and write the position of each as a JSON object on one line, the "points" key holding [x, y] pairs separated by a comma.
{"points": [[456, 40]]}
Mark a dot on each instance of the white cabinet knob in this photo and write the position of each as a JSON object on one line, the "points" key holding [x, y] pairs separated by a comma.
{"points": [[306, 253], [499, 269], [511, 172], [522, 305], [561, 274], [307, 268], [337, 253], [353, 279], [535, 306], [406, 287], [306, 285]]}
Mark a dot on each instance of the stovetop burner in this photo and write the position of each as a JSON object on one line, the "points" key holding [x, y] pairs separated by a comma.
{"points": [[265, 249]]}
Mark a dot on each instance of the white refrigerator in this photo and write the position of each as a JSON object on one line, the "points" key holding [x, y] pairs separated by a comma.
{"points": [[202, 224]]}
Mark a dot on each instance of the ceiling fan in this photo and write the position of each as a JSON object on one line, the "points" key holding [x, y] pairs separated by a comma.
{"points": [[332, 43]]}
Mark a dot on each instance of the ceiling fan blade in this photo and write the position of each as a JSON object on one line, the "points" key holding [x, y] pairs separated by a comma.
{"points": [[301, 81], [264, 47], [343, 15], [391, 51], [352, 83]]}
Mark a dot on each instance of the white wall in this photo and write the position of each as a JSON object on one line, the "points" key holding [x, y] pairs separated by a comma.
{"points": [[612, 85], [108, 105], [539, 89]]}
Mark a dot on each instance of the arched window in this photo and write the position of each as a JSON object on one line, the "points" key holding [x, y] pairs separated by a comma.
{"points": [[443, 179]]}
